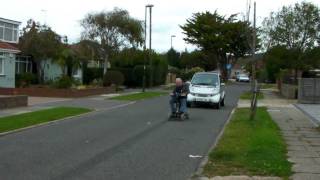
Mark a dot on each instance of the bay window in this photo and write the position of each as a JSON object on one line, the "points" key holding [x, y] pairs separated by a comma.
{"points": [[8, 32]]}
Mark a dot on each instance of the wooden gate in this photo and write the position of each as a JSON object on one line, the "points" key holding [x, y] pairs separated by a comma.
{"points": [[309, 90]]}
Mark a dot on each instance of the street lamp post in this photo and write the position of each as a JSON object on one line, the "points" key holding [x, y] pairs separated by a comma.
{"points": [[172, 36], [144, 51], [150, 6]]}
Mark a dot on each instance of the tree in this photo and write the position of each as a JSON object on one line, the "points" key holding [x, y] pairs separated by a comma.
{"points": [[217, 36], [67, 59], [40, 42], [87, 50], [297, 28], [275, 60], [113, 30], [173, 58], [198, 59], [312, 58]]}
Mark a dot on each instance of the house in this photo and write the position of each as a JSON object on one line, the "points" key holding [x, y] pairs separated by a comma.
{"points": [[9, 30], [52, 71]]}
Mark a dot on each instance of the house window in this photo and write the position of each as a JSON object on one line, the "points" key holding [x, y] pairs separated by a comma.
{"points": [[8, 32], [76, 73], [23, 64]]}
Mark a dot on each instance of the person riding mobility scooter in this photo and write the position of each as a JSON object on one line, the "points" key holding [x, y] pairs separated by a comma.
{"points": [[178, 101]]}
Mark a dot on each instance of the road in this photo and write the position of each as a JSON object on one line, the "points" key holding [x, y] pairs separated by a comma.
{"points": [[126, 142]]}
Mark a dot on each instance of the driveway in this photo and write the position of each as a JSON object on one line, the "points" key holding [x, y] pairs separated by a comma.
{"points": [[133, 141]]}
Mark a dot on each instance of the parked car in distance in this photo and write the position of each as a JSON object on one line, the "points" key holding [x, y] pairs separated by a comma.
{"points": [[206, 87], [243, 78]]}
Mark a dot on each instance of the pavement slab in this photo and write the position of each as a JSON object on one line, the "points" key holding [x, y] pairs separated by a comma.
{"points": [[306, 176], [302, 137], [312, 110]]}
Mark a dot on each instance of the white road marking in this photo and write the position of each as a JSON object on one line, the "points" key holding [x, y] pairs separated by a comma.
{"points": [[194, 156]]}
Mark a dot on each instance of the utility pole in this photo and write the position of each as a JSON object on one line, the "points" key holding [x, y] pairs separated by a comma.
{"points": [[150, 50], [254, 80], [144, 51], [172, 36]]}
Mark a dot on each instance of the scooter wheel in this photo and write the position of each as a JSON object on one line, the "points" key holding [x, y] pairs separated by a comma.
{"points": [[184, 116]]}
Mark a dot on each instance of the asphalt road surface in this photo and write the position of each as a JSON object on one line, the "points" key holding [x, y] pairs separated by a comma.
{"points": [[126, 142]]}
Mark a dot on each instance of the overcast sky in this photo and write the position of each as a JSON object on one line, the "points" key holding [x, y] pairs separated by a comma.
{"points": [[64, 15]]}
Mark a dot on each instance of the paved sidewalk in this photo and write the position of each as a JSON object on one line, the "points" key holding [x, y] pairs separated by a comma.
{"points": [[301, 136], [303, 140], [271, 99], [312, 110]]}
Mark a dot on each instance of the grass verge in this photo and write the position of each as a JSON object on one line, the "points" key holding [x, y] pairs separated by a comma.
{"points": [[13, 122], [249, 148], [139, 96], [268, 86], [248, 95]]}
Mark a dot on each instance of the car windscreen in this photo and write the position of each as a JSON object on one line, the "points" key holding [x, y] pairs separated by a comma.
{"points": [[205, 79]]}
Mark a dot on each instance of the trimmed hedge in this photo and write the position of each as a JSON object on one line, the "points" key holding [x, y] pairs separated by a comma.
{"points": [[113, 78], [92, 74], [25, 79], [130, 62], [63, 82]]}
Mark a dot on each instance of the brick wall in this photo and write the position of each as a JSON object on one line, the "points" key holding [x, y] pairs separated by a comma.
{"points": [[13, 101], [50, 92]]}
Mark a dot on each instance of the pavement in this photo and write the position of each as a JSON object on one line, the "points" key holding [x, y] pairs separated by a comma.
{"points": [[302, 138], [311, 110], [119, 141], [271, 99]]}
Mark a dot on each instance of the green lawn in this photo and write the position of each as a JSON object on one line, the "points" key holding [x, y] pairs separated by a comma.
{"points": [[9, 123], [249, 148], [268, 86], [139, 96], [248, 95]]}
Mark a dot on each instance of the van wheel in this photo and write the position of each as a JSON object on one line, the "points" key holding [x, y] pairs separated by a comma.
{"points": [[222, 102], [217, 106]]}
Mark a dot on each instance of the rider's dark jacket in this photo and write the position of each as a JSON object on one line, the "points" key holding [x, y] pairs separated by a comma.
{"points": [[181, 90]]}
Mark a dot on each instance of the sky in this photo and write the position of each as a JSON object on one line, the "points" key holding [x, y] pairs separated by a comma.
{"points": [[64, 16]]}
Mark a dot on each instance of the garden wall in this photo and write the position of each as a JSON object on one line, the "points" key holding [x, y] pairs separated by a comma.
{"points": [[13, 101], [51, 92], [289, 91]]}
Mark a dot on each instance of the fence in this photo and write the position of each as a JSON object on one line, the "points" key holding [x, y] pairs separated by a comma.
{"points": [[309, 90], [289, 91]]}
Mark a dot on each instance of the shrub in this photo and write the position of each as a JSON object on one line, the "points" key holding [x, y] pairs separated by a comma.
{"points": [[130, 63], [160, 73], [97, 82], [25, 79], [113, 78], [129, 79], [90, 74], [63, 82], [187, 75]]}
